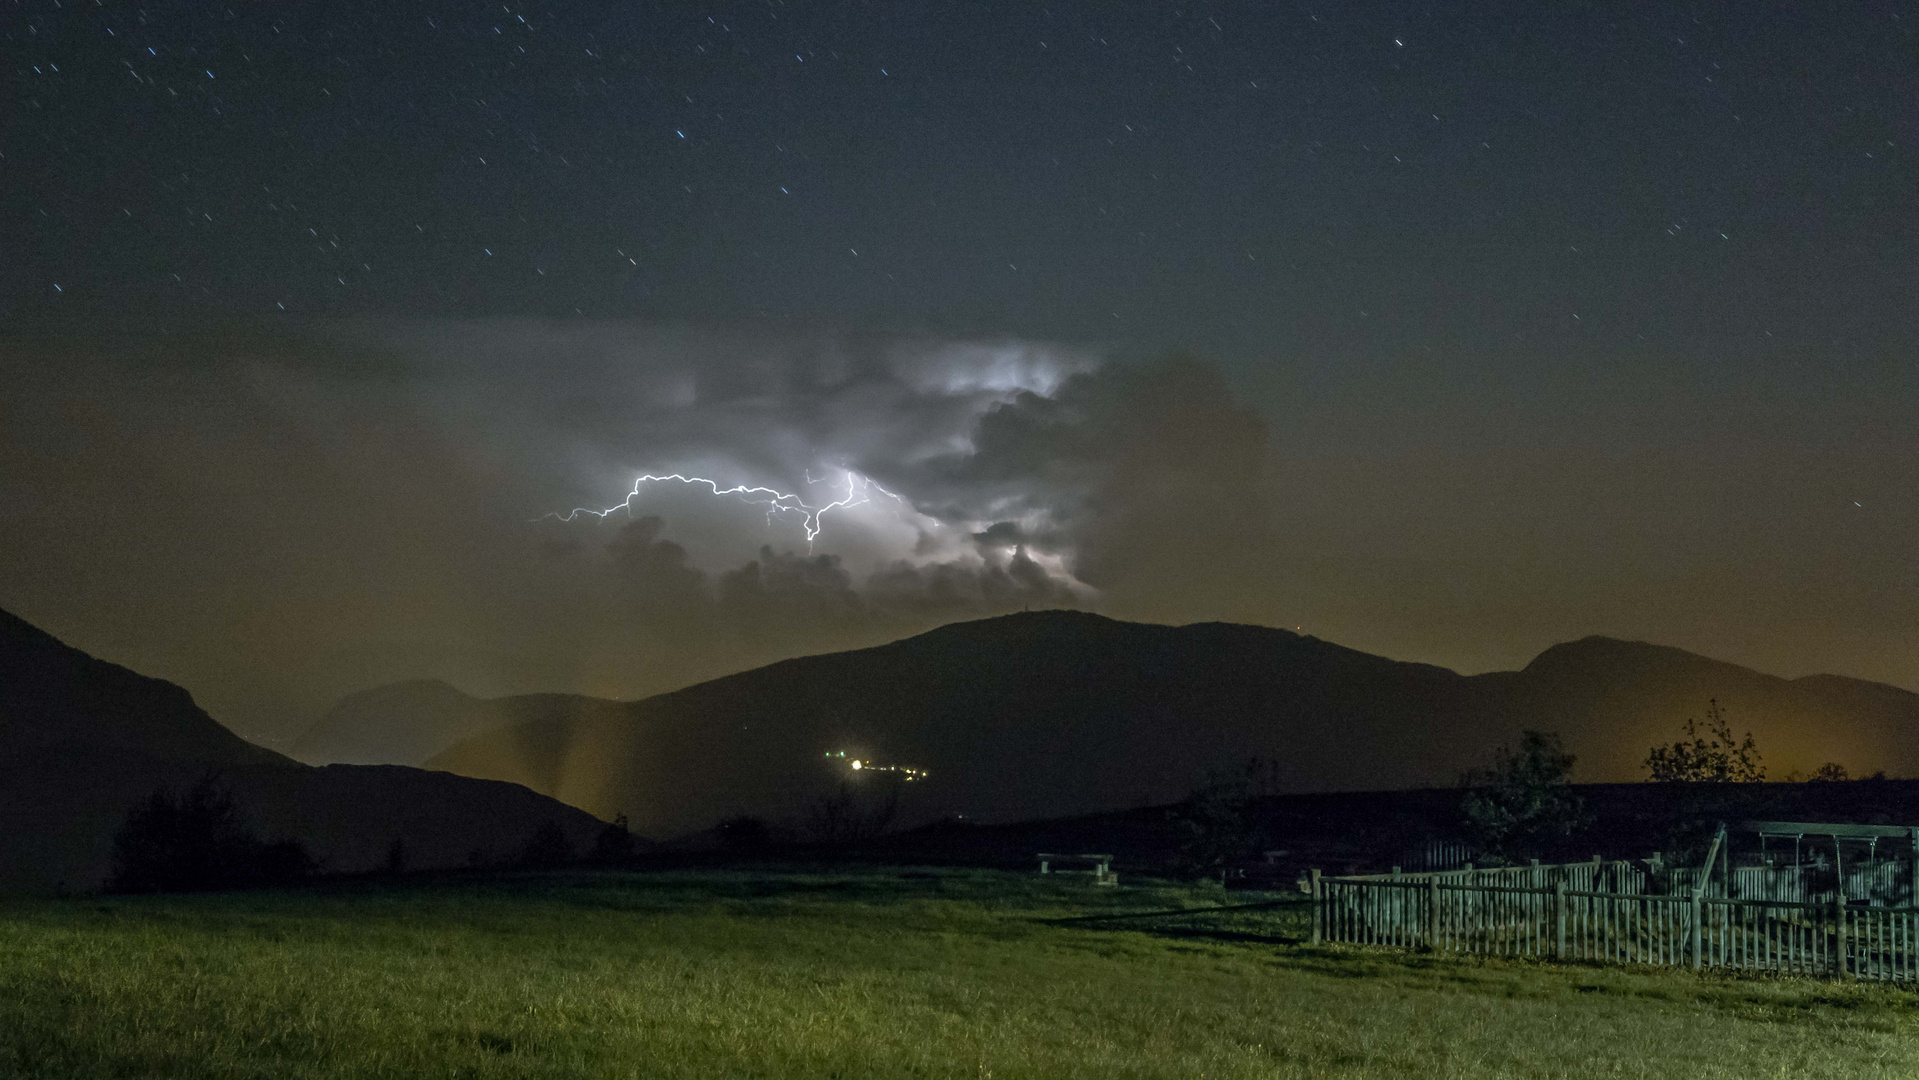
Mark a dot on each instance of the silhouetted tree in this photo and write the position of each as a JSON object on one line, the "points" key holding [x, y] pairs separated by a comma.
{"points": [[1830, 771], [1218, 818], [547, 848], [1711, 756], [198, 841], [614, 844], [1522, 799], [842, 817]]}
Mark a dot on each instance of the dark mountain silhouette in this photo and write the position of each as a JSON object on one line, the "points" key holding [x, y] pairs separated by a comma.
{"points": [[58, 698], [1056, 713], [83, 740]]}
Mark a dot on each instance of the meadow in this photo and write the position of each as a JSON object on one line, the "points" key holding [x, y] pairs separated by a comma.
{"points": [[854, 973]]}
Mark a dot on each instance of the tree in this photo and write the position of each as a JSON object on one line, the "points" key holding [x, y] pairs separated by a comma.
{"points": [[1523, 797], [1708, 756], [843, 817], [1218, 817], [1830, 771], [197, 840]]}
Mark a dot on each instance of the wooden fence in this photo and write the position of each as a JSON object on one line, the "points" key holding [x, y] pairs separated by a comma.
{"points": [[1459, 913]]}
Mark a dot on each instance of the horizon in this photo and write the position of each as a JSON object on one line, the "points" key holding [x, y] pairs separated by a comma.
{"points": [[1194, 700], [270, 740], [301, 726]]}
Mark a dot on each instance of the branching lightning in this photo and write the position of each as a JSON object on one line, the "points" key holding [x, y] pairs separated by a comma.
{"points": [[859, 490]]}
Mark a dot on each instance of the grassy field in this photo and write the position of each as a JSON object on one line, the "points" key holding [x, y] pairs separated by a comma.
{"points": [[871, 973]]}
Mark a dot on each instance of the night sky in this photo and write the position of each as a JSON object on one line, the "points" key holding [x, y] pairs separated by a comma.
{"points": [[1443, 334]]}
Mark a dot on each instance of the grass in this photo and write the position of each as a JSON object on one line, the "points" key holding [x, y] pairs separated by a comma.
{"points": [[871, 973]]}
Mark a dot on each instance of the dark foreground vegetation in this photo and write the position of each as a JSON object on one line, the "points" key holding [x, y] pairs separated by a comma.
{"points": [[822, 972]]}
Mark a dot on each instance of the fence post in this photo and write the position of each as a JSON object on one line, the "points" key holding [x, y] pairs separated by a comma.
{"points": [[1839, 933], [1912, 900], [1401, 912], [1432, 913], [1559, 918], [1319, 908], [1698, 938]]}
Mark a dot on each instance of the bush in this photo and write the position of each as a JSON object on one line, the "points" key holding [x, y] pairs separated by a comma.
{"points": [[197, 841]]}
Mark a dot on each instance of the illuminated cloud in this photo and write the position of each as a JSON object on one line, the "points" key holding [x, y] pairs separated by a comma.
{"points": [[378, 501]]}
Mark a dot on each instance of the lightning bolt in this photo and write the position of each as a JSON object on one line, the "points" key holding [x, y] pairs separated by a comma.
{"points": [[858, 490]]}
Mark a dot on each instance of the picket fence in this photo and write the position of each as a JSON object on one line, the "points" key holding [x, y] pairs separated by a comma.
{"points": [[1600, 912]]}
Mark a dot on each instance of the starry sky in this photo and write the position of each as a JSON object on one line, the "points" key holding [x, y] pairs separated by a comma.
{"points": [[1441, 333]]}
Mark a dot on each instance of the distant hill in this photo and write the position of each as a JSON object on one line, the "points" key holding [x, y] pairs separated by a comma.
{"points": [[83, 740], [406, 723], [1056, 713]]}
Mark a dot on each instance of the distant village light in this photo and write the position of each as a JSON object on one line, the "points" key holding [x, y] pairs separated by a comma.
{"points": [[905, 772]]}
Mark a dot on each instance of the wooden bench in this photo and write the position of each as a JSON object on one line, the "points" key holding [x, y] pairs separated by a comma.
{"points": [[1102, 866]]}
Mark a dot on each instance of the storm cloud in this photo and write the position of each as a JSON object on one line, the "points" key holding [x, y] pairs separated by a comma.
{"points": [[275, 521]]}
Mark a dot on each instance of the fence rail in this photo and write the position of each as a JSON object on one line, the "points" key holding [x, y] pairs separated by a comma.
{"points": [[1451, 913], [1594, 876]]}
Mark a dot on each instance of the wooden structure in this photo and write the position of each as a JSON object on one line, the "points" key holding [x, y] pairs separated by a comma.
{"points": [[1102, 866], [1605, 912], [1877, 880]]}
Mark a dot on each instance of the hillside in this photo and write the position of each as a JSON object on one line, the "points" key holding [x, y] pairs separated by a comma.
{"points": [[1057, 713], [83, 740]]}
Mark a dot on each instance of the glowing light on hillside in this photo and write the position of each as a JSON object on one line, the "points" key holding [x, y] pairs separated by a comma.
{"points": [[867, 765]]}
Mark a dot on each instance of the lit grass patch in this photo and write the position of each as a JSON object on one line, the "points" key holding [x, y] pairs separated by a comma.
{"points": [[951, 973]]}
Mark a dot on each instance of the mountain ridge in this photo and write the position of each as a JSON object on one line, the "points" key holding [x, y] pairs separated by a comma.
{"points": [[53, 693], [1053, 713]]}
